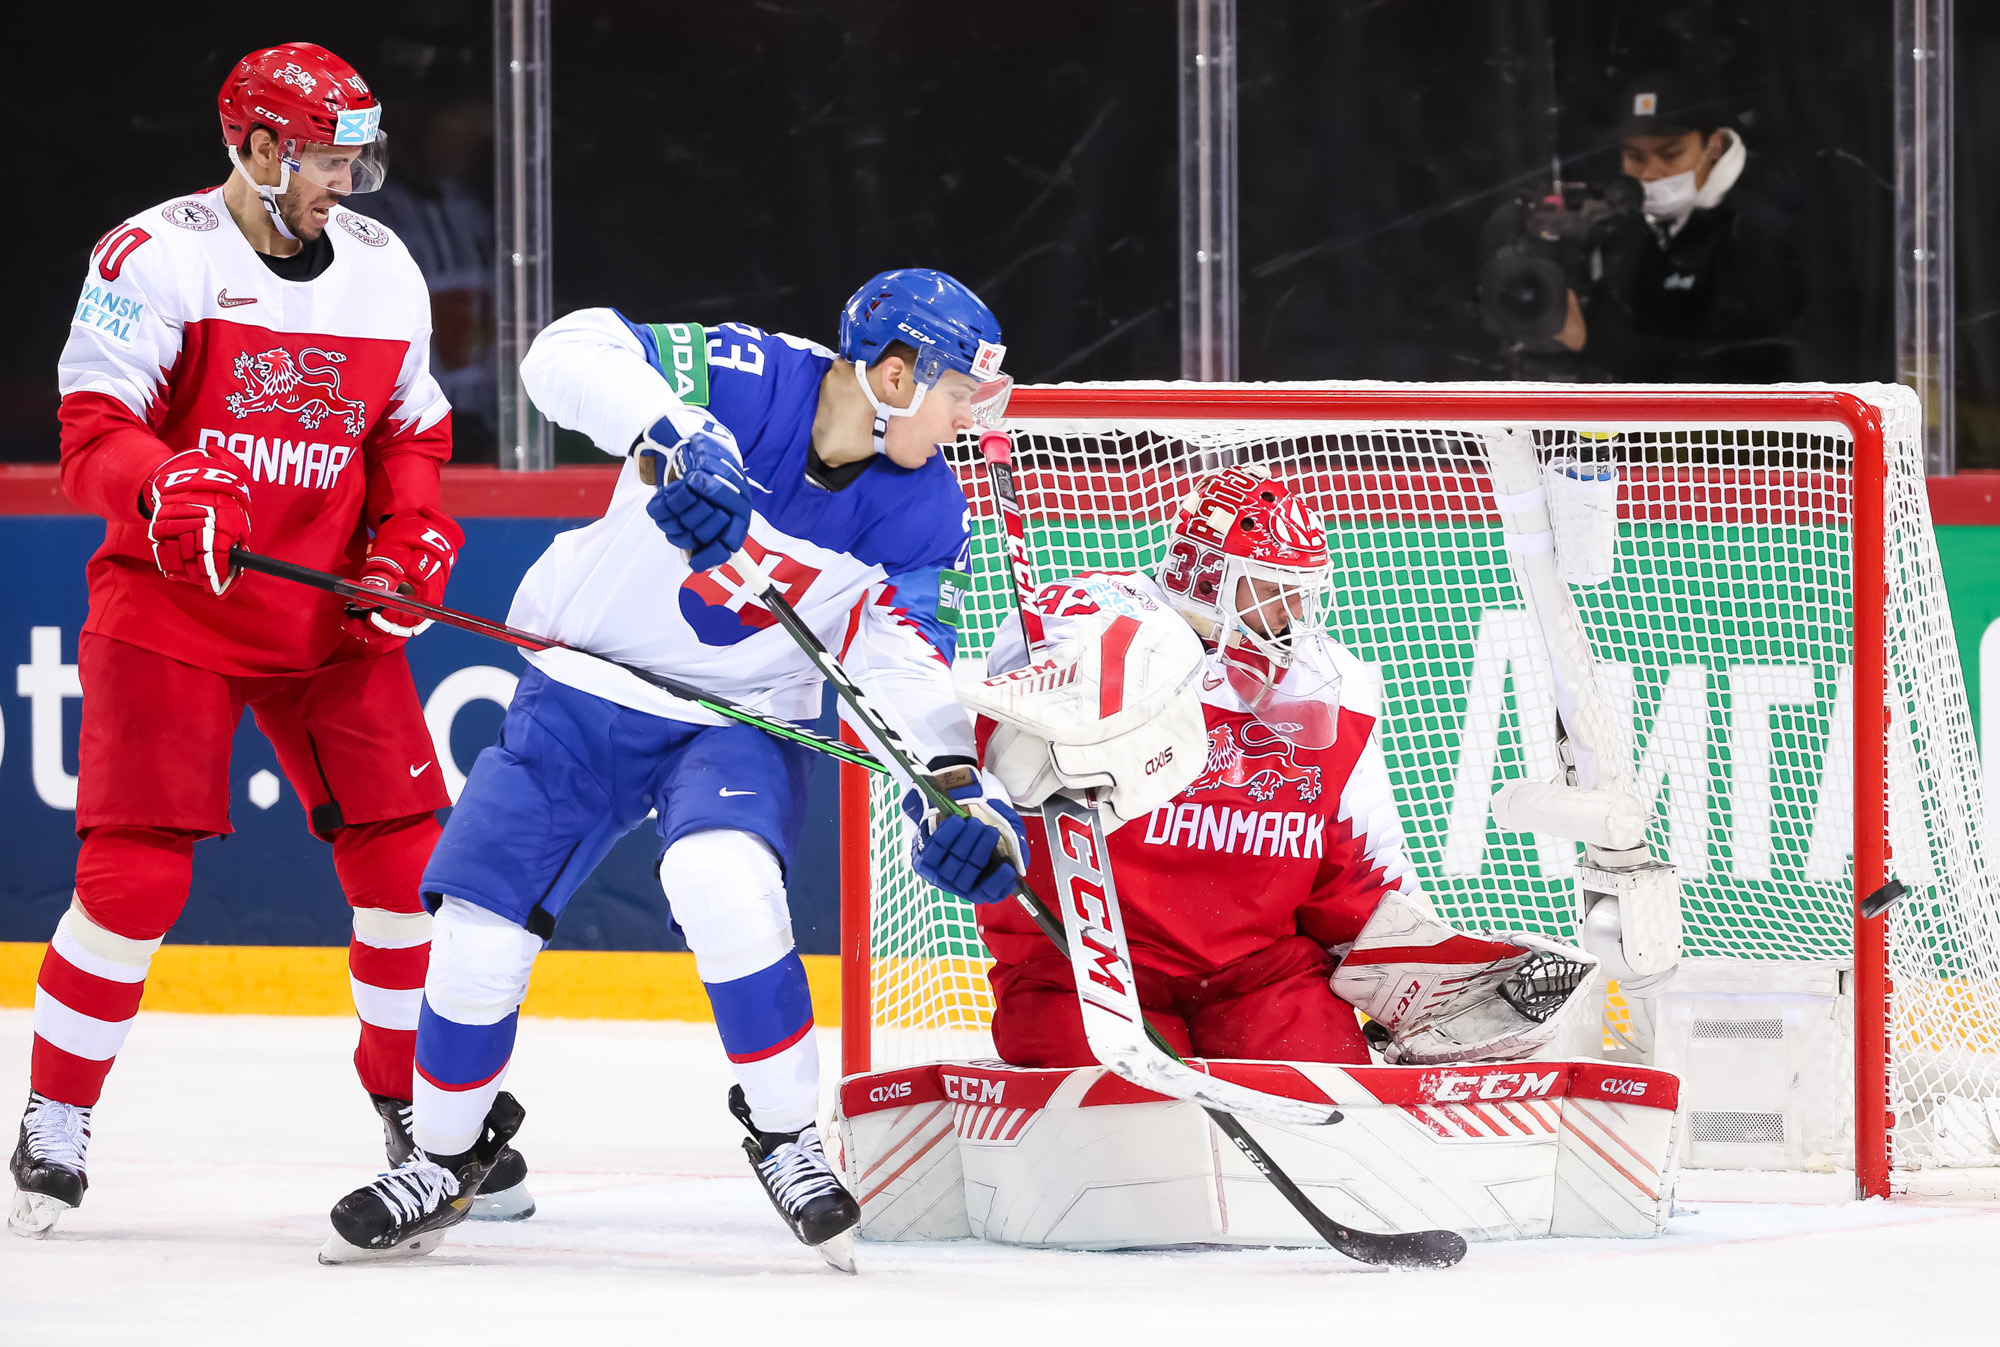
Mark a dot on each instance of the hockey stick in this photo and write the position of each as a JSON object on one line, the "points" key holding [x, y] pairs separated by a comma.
{"points": [[527, 640], [1082, 864], [1100, 955]]}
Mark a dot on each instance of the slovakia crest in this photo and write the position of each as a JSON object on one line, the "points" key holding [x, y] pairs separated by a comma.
{"points": [[721, 604]]}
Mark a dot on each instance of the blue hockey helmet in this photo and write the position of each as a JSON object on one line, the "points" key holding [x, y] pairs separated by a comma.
{"points": [[949, 327]]}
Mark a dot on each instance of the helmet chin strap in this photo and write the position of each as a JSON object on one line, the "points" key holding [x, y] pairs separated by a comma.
{"points": [[268, 195], [883, 412]]}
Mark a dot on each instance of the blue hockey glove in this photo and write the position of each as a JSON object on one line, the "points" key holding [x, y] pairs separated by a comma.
{"points": [[978, 857], [702, 502]]}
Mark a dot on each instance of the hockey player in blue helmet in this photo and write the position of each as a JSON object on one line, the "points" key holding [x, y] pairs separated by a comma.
{"points": [[823, 471], [945, 329]]}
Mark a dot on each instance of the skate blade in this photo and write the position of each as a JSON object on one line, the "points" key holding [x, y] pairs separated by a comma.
{"points": [[337, 1251], [34, 1215], [511, 1204], [839, 1252]]}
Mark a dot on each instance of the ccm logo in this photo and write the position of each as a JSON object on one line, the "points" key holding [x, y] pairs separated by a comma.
{"points": [[1496, 1085], [882, 1094], [1162, 760], [972, 1089], [1631, 1089]]}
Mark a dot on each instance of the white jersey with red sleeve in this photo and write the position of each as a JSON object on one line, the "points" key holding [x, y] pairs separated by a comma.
{"points": [[1272, 840], [184, 338]]}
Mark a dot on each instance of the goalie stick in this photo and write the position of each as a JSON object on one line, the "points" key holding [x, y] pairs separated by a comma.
{"points": [[1101, 959], [333, 584]]}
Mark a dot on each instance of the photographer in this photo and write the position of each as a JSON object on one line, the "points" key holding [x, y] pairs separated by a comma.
{"points": [[1709, 290], [1683, 269]]}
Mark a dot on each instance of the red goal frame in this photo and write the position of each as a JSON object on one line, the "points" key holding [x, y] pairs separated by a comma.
{"points": [[1487, 406]]}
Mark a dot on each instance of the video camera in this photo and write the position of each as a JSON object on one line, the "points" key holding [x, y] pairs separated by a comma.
{"points": [[1538, 248]]}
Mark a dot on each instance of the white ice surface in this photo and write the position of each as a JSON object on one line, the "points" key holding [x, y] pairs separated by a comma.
{"points": [[221, 1141]]}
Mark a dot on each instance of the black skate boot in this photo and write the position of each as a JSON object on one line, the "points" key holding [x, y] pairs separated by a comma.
{"points": [[406, 1211], [48, 1165], [801, 1184], [503, 1197]]}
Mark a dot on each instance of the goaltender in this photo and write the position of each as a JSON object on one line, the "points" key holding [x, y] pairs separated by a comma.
{"points": [[1269, 897]]}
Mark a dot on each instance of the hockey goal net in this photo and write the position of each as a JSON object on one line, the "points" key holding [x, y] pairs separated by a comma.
{"points": [[1774, 642]]}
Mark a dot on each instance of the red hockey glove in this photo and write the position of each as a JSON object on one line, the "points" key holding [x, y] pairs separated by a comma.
{"points": [[412, 554], [200, 508]]}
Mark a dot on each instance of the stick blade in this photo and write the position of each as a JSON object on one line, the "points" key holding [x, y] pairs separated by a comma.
{"points": [[1411, 1249]]}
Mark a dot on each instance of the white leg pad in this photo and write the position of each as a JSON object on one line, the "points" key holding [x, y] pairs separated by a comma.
{"points": [[479, 964], [728, 895]]}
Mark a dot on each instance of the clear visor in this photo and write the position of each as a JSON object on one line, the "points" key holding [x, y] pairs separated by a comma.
{"points": [[984, 399], [346, 169]]}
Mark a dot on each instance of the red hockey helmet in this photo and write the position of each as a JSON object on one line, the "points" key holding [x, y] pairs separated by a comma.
{"points": [[1247, 566], [325, 119]]}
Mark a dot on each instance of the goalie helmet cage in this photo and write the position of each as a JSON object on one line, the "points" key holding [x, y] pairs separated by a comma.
{"points": [[1775, 637]]}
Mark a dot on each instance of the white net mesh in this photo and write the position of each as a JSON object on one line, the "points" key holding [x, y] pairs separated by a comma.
{"points": [[1723, 645]]}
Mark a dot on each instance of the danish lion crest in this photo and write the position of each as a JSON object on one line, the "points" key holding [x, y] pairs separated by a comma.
{"points": [[275, 382], [1258, 760]]}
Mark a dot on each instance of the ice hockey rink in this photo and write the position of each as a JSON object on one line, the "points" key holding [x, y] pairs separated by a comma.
{"points": [[222, 1140]]}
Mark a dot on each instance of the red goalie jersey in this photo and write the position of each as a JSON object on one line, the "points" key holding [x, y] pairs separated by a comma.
{"points": [[184, 339], [1235, 890]]}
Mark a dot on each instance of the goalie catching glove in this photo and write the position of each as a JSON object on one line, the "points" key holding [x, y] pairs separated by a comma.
{"points": [[1111, 709], [1442, 995], [977, 856]]}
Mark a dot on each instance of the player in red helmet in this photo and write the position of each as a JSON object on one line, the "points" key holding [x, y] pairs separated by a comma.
{"points": [[1257, 851], [321, 141], [276, 395]]}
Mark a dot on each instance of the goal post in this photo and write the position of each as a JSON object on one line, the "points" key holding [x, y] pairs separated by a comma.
{"points": [[1775, 639]]}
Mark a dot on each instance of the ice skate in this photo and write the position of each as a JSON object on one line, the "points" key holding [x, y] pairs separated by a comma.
{"points": [[802, 1186], [48, 1165], [503, 1197], [406, 1211]]}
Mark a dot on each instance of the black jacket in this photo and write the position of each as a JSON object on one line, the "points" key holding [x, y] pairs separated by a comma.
{"points": [[1717, 303]]}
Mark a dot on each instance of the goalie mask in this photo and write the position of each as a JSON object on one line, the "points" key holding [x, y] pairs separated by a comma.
{"points": [[1247, 566]]}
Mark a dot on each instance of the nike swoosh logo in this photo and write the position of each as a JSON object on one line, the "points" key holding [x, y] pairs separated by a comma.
{"points": [[725, 792], [419, 771], [222, 298]]}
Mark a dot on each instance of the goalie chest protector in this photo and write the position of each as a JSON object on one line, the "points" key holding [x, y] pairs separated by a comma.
{"points": [[1255, 850]]}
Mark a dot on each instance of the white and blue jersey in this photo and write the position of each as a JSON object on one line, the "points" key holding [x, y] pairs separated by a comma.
{"points": [[877, 568], [588, 751]]}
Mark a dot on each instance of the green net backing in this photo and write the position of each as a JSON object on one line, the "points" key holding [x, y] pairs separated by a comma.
{"points": [[1724, 649]]}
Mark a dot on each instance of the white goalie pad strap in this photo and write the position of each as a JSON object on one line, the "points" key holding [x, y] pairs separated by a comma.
{"points": [[1443, 994], [1115, 673]]}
